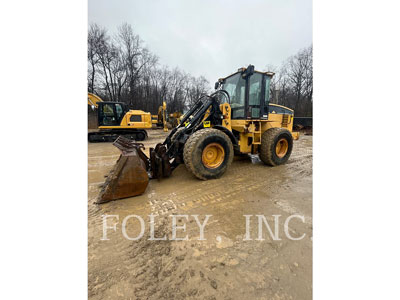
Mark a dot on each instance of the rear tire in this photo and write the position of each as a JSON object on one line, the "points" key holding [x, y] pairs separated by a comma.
{"points": [[276, 146], [208, 153]]}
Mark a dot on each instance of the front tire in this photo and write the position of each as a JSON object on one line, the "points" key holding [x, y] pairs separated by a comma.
{"points": [[175, 135], [276, 146], [208, 153]]}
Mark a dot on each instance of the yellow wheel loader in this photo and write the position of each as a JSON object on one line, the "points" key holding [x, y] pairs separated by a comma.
{"points": [[236, 119], [115, 119]]}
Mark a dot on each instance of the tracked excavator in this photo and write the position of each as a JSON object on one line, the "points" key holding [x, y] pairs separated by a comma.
{"points": [[116, 119], [236, 119]]}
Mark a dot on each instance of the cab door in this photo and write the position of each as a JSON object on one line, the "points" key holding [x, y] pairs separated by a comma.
{"points": [[257, 101], [107, 114], [255, 96]]}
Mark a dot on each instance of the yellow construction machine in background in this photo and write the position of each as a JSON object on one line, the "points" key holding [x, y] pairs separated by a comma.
{"points": [[160, 119], [93, 100], [175, 118], [116, 119]]}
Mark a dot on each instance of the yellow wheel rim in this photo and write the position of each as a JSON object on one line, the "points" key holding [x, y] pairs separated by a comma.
{"points": [[213, 155], [281, 148]]}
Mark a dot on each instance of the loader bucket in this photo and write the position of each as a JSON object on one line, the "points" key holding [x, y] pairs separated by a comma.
{"points": [[129, 176]]}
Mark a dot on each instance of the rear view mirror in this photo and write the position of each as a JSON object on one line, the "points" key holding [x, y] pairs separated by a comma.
{"points": [[217, 84]]}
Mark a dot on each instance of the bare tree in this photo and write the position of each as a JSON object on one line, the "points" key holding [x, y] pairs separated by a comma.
{"points": [[134, 55], [299, 72], [122, 69], [96, 38], [294, 81]]}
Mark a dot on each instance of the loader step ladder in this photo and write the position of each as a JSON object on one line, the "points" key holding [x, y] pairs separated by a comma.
{"points": [[257, 133]]}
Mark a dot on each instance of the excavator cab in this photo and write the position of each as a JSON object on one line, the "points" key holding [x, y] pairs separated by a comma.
{"points": [[111, 113]]}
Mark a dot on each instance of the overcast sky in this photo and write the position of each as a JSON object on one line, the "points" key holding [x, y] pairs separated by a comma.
{"points": [[212, 38]]}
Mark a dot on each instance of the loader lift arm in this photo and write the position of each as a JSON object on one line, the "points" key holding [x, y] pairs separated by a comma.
{"points": [[171, 150], [164, 158], [196, 114]]}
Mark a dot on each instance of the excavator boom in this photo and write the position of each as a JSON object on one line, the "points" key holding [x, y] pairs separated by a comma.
{"points": [[93, 99]]}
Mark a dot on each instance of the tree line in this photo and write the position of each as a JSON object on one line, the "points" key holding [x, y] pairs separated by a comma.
{"points": [[121, 68], [292, 84]]}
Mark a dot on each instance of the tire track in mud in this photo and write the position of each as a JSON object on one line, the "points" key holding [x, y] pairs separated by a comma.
{"points": [[227, 189], [228, 186], [243, 177], [192, 270], [232, 269]]}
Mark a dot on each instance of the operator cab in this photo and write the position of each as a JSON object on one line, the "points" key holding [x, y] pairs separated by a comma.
{"points": [[111, 113], [249, 93]]}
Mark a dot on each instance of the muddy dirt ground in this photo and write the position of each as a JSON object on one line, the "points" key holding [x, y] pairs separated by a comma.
{"points": [[223, 266]]}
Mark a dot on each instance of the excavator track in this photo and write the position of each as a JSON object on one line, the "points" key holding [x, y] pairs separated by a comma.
{"points": [[111, 135]]}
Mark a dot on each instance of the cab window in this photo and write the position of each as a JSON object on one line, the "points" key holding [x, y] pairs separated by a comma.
{"points": [[107, 116], [255, 89], [255, 83], [108, 110], [236, 88], [135, 118], [119, 111], [267, 87]]}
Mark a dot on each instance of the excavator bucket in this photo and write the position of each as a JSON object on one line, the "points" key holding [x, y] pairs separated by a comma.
{"points": [[129, 176]]}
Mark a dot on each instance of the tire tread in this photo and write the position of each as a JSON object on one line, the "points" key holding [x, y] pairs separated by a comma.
{"points": [[191, 145], [267, 143]]}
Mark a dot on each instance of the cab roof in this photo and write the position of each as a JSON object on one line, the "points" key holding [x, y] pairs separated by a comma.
{"points": [[242, 70]]}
